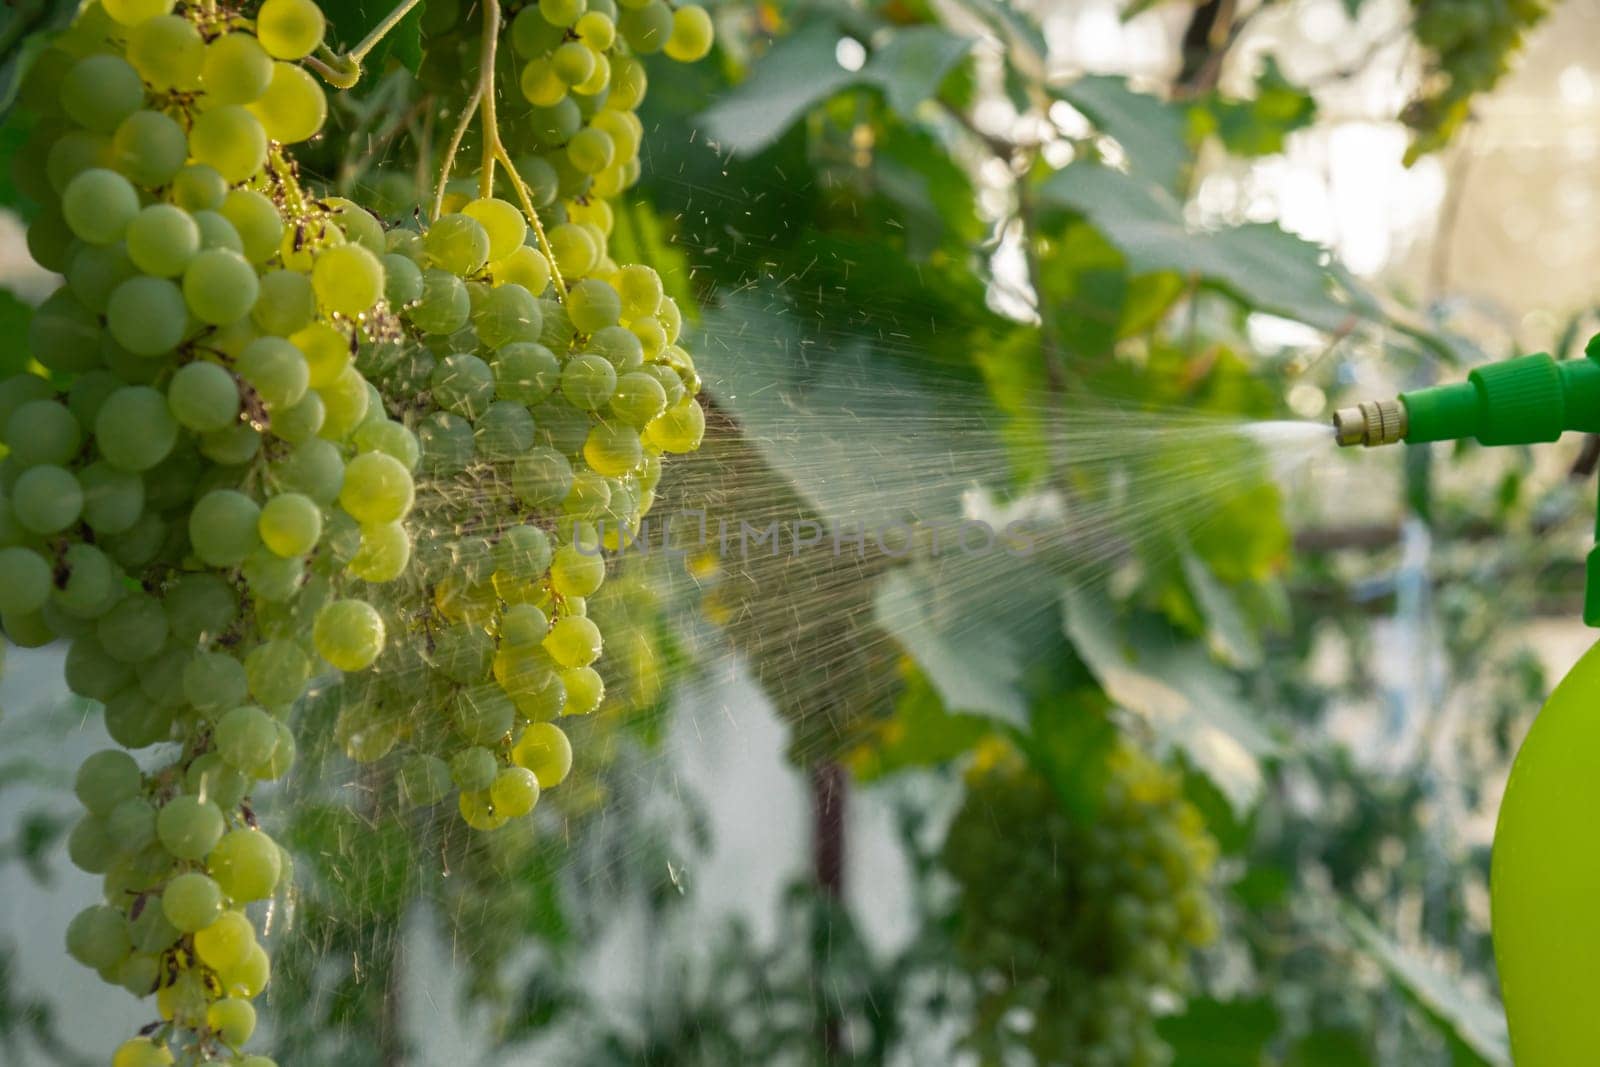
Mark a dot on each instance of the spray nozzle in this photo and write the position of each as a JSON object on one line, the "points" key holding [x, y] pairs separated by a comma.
{"points": [[1519, 401]]}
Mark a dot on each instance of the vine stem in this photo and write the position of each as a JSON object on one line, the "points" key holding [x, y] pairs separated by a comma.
{"points": [[452, 148], [492, 148], [343, 70]]}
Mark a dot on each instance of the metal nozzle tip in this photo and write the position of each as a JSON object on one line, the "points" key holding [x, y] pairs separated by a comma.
{"points": [[1370, 423]]}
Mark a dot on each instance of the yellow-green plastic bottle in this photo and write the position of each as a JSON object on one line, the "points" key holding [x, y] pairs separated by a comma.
{"points": [[1545, 880]]}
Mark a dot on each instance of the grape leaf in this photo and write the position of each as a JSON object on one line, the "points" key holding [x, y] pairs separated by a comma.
{"points": [[1228, 632], [349, 21], [1221, 1033], [1191, 703], [1153, 134], [910, 67]]}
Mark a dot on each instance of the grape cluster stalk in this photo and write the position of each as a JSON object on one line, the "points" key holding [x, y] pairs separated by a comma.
{"points": [[1078, 926], [268, 438]]}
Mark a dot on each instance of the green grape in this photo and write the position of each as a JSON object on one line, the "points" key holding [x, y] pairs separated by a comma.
{"points": [[272, 578], [161, 676], [73, 153], [293, 108], [444, 306], [245, 737], [213, 681], [300, 423], [27, 631], [327, 353], [88, 392], [106, 779], [522, 626], [95, 270], [424, 779], [553, 125], [360, 226], [515, 792], [113, 500], [384, 553], [217, 232], [562, 12], [100, 91], [545, 751], [135, 721], [167, 51], [502, 222], [231, 140], [20, 389], [286, 303], [573, 642], [236, 69], [584, 690], [669, 381], [233, 446], [97, 937], [525, 372], [223, 527], [483, 715], [447, 443], [246, 864], [99, 204], [463, 384], [628, 84], [457, 243], [134, 629], [593, 305], [189, 827], [638, 399], [198, 187], [625, 132], [290, 525], [344, 402], [613, 449], [573, 62], [91, 582], [314, 468], [671, 319], [290, 29], [463, 653], [133, 12], [591, 150], [91, 672], [574, 250], [377, 488], [46, 499], [349, 634], [219, 286], [542, 478], [277, 672], [134, 430], [162, 239], [588, 381], [504, 431], [678, 429], [90, 847], [646, 28], [526, 267], [203, 397], [641, 292], [191, 902], [508, 314], [575, 572], [348, 279], [276, 370], [43, 431], [596, 29], [257, 220], [224, 944], [232, 1019], [402, 280], [473, 769]]}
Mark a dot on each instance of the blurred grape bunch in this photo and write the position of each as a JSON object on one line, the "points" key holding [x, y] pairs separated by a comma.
{"points": [[1468, 45]]}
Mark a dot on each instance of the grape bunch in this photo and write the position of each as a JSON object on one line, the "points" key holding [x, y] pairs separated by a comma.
{"points": [[1467, 46], [194, 495], [1074, 925], [541, 414]]}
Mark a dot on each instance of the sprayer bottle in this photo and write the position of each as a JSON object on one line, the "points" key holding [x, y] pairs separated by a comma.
{"points": [[1545, 870]]}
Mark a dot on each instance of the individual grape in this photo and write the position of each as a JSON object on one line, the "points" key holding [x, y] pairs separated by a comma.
{"points": [[134, 629], [314, 468], [167, 51], [562, 12], [591, 150], [522, 625], [236, 69], [231, 140], [457, 243], [592, 305], [588, 381], [524, 266], [189, 827], [574, 250], [224, 944], [345, 402], [508, 314], [217, 232], [503, 432], [598, 81], [577, 572], [502, 222], [43, 431], [638, 399], [245, 737], [424, 780], [271, 577], [219, 286], [223, 527], [286, 304], [384, 553], [377, 488], [28, 631], [232, 1019], [290, 524], [596, 29], [192, 901], [390, 438], [113, 500], [545, 751], [613, 449], [276, 370], [162, 239], [248, 980], [106, 779], [64, 335], [477, 810], [133, 12], [132, 824], [46, 499], [584, 690], [463, 384], [247, 866], [444, 306], [134, 430], [625, 133], [146, 315], [293, 108], [671, 319], [542, 478], [290, 29], [326, 351], [678, 429], [141, 1052], [90, 585], [276, 672], [97, 937], [203, 396], [198, 187], [573, 62], [402, 280], [348, 280], [348, 634], [640, 290], [99, 204], [646, 28], [629, 83], [473, 769], [483, 715], [574, 642], [301, 422], [91, 671], [213, 681], [257, 220], [525, 372], [100, 91], [515, 792]]}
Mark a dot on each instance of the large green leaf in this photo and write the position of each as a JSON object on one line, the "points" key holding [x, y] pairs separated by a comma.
{"points": [[1260, 264], [911, 66], [1231, 637], [1475, 1024], [1187, 699], [1221, 1033], [1153, 133]]}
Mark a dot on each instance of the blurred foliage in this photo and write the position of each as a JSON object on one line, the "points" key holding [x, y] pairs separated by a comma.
{"points": [[914, 315]]}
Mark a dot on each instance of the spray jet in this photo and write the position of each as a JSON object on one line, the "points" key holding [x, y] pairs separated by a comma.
{"points": [[1545, 870]]}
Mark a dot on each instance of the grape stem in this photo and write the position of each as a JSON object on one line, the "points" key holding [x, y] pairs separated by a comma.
{"points": [[342, 71], [449, 161]]}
